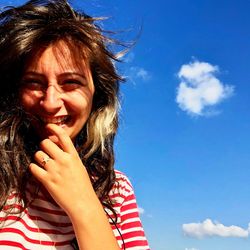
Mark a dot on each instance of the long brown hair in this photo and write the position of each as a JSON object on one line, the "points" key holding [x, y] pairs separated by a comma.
{"points": [[23, 30]]}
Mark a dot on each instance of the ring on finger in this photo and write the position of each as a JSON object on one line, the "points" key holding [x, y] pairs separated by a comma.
{"points": [[45, 160]]}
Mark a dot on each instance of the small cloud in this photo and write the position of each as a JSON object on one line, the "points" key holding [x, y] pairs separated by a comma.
{"points": [[210, 228], [135, 73], [192, 248], [200, 89], [142, 73], [129, 57], [144, 213], [141, 210]]}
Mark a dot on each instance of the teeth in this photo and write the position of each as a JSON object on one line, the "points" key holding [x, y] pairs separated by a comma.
{"points": [[55, 120]]}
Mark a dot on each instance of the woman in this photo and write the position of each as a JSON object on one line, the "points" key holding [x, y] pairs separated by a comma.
{"points": [[59, 101]]}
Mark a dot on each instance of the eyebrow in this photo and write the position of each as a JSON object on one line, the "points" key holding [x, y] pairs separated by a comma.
{"points": [[32, 73], [65, 74]]}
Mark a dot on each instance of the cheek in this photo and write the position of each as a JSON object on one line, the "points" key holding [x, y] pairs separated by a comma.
{"points": [[27, 100], [81, 104]]}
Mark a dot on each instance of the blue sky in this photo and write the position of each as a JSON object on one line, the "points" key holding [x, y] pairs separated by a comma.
{"points": [[185, 120]]}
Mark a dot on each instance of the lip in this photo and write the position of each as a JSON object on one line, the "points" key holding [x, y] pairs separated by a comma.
{"points": [[55, 120]]}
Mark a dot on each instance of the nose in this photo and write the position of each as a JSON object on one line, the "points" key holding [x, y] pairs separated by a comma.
{"points": [[51, 101]]}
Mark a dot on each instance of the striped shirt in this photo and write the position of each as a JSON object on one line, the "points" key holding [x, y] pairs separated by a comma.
{"points": [[44, 225]]}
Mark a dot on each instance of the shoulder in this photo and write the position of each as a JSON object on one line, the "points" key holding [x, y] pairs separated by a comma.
{"points": [[121, 189], [122, 178], [128, 219], [122, 183]]}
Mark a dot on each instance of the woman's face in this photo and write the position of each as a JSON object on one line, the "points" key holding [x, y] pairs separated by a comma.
{"points": [[57, 87]]}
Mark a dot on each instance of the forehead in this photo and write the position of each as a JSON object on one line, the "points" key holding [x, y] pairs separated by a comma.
{"points": [[65, 54]]}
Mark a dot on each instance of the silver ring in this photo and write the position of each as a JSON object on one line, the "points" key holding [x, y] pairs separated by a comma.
{"points": [[45, 160]]}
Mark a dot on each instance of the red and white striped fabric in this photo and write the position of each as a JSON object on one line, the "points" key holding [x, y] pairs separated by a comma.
{"points": [[44, 225], [128, 220]]}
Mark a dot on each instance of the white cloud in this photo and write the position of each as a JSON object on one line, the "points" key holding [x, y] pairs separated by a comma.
{"points": [[129, 57], [135, 73], [191, 248], [142, 73], [141, 210], [200, 89], [210, 228], [144, 213]]}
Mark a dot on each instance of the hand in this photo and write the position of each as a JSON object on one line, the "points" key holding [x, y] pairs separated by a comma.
{"points": [[67, 181], [63, 175]]}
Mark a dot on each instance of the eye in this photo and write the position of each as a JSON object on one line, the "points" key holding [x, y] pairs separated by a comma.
{"points": [[32, 84], [71, 84]]}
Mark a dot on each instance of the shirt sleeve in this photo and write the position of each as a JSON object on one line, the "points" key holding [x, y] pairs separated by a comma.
{"points": [[130, 224]]}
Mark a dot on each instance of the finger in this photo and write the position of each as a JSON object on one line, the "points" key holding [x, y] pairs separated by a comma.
{"points": [[51, 148], [39, 173], [64, 140], [43, 159]]}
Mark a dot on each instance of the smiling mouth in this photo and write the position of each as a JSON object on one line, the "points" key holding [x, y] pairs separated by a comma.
{"points": [[55, 120]]}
